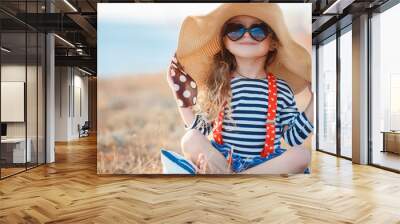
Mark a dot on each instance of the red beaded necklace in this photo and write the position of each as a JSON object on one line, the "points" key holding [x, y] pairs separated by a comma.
{"points": [[270, 124]]}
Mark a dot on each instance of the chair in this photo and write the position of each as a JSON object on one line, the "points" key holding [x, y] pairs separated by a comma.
{"points": [[84, 130]]}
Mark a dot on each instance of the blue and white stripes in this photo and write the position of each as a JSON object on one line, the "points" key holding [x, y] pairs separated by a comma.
{"points": [[199, 123], [249, 103]]}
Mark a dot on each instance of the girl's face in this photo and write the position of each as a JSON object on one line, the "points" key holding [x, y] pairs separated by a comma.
{"points": [[247, 47]]}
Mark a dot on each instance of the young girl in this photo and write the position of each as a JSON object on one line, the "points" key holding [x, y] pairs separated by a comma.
{"points": [[246, 107]]}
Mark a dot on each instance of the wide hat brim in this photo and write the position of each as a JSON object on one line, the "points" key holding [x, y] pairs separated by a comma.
{"points": [[199, 42]]}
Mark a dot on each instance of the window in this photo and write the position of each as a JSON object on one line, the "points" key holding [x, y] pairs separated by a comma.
{"points": [[327, 96], [346, 94], [385, 89], [22, 77]]}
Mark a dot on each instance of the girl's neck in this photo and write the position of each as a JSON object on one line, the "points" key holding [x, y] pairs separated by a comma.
{"points": [[250, 67]]}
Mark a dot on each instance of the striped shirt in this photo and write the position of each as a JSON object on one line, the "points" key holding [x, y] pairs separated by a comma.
{"points": [[246, 131]]}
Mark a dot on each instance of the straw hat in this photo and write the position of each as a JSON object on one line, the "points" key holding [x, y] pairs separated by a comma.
{"points": [[199, 42]]}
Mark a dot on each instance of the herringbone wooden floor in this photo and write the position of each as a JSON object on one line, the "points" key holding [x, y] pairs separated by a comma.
{"points": [[70, 191]]}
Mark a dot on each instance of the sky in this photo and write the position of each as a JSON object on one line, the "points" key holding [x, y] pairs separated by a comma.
{"points": [[137, 38]]}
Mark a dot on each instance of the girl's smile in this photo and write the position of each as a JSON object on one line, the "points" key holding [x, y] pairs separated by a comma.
{"points": [[248, 43]]}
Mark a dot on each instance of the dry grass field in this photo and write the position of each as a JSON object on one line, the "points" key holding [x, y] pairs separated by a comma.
{"points": [[137, 115]]}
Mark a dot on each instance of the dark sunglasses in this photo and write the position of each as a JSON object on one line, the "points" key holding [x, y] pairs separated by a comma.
{"points": [[235, 31]]}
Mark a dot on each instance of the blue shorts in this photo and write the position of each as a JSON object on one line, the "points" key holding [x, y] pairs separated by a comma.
{"points": [[240, 163]]}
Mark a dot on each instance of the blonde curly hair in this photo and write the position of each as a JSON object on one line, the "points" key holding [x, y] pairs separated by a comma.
{"points": [[217, 90]]}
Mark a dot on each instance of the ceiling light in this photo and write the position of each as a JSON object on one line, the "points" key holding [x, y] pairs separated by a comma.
{"points": [[70, 5], [5, 50], [338, 6], [84, 71], [64, 40]]}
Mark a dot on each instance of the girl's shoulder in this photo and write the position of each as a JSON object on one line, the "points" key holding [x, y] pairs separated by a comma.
{"points": [[284, 86], [281, 81]]}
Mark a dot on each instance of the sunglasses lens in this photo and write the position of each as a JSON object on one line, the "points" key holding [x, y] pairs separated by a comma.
{"points": [[235, 31], [236, 35], [258, 33]]}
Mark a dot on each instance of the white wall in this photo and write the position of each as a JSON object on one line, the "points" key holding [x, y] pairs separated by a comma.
{"points": [[81, 100], [33, 126], [12, 73], [12, 100], [70, 83], [62, 81]]}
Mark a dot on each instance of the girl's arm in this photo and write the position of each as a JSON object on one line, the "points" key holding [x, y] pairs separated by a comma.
{"points": [[192, 120], [297, 124], [186, 113], [184, 89]]}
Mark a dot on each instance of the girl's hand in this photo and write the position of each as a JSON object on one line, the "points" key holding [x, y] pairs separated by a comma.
{"points": [[201, 164], [207, 163], [183, 86]]}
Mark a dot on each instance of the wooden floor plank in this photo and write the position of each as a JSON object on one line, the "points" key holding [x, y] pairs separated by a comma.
{"points": [[70, 191]]}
